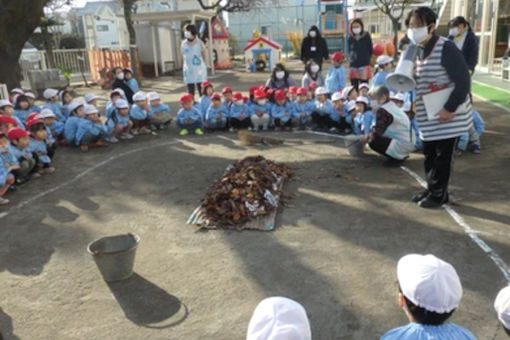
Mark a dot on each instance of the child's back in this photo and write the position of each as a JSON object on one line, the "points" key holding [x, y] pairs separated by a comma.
{"points": [[71, 127], [336, 79], [416, 331]]}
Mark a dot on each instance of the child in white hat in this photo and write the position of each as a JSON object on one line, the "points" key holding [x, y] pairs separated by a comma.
{"points": [[119, 125], [324, 116], [91, 131], [384, 65], [7, 109], [279, 318], [159, 113], [51, 96], [31, 100], [502, 307], [72, 123], [139, 114], [429, 293], [365, 119], [116, 94]]}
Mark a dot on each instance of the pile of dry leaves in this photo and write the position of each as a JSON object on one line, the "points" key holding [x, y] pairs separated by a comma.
{"points": [[249, 188]]}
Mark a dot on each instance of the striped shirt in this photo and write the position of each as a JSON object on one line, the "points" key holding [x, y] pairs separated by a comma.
{"points": [[431, 73]]}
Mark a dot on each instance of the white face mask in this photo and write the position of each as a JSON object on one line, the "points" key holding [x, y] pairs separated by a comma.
{"points": [[262, 102], [312, 34], [356, 30], [239, 102], [418, 35], [120, 76], [188, 35], [280, 74], [314, 68], [454, 31]]}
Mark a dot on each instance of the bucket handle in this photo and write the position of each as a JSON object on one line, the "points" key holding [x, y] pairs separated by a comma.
{"points": [[98, 253]]}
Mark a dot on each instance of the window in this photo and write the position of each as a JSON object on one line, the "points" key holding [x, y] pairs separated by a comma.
{"points": [[102, 28], [374, 28]]}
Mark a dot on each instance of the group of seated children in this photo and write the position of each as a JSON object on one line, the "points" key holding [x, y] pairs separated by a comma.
{"points": [[29, 134]]}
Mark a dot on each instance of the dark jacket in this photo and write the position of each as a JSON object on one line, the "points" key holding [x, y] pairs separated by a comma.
{"points": [[360, 50], [127, 90], [470, 50], [316, 48]]}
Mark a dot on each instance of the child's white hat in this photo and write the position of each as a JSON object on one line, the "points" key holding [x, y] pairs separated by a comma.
{"points": [[364, 85], [89, 109], [429, 282], [90, 97], [397, 96], [17, 90], [279, 318], [502, 306], [362, 99], [351, 105], [50, 93], [119, 91], [5, 102], [30, 95], [321, 90], [75, 104], [121, 104], [140, 95], [337, 96], [345, 92], [153, 96], [46, 113], [384, 59]]}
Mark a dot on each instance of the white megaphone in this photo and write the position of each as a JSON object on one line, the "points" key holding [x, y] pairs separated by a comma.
{"points": [[402, 79]]}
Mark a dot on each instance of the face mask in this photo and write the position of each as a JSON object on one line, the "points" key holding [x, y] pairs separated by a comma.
{"points": [[120, 76], [188, 35], [312, 34], [356, 30], [262, 102], [314, 68], [280, 74], [418, 35], [454, 31], [239, 102]]}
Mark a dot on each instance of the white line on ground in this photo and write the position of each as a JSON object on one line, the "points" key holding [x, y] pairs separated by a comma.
{"points": [[3, 214]]}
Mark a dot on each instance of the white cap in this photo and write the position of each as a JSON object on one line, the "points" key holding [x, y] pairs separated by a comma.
{"points": [[121, 104], [337, 96], [5, 102], [429, 282], [363, 85], [321, 90], [384, 59], [397, 96], [17, 90], [75, 104], [153, 96], [345, 92], [49, 93], [140, 95], [30, 95], [502, 306], [46, 113], [89, 109], [351, 105], [90, 97], [279, 318], [119, 91], [362, 99], [407, 107]]}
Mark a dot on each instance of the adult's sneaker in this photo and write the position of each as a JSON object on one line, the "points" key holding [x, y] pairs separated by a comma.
{"points": [[420, 196], [476, 148]]}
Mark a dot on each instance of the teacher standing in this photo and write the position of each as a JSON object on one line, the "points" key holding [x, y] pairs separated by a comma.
{"points": [[360, 53], [194, 68], [314, 47], [439, 64]]}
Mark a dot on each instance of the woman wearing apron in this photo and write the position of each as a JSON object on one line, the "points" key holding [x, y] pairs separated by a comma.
{"points": [[194, 69]]}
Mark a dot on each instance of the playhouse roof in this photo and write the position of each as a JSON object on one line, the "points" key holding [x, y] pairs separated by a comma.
{"points": [[218, 29], [265, 40]]}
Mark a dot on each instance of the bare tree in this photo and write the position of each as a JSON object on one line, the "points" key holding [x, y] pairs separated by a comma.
{"points": [[235, 5], [129, 7]]}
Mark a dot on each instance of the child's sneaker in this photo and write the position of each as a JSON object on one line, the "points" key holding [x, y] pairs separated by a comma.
{"points": [[199, 132], [36, 175], [4, 201], [84, 148], [135, 132], [126, 136], [184, 132], [145, 131], [476, 148], [49, 170], [112, 140]]}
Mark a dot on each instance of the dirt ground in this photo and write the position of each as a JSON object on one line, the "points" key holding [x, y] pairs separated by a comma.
{"points": [[334, 250]]}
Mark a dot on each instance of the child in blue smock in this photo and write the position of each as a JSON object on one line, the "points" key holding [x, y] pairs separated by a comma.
{"points": [[66, 98], [7, 109], [114, 96], [323, 111], [384, 65], [51, 96], [303, 109], [119, 125], [91, 131], [7, 179], [341, 114], [188, 117], [429, 293], [18, 150], [336, 78], [54, 130], [205, 101], [216, 115], [159, 113], [139, 114], [31, 101], [227, 97], [240, 113], [472, 136], [21, 108], [131, 81], [37, 146], [365, 118], [282, 111], [261, 111], [72, 123]]}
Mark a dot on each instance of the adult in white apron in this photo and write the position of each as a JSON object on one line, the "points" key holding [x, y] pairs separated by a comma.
{"points": [[194, 68]]}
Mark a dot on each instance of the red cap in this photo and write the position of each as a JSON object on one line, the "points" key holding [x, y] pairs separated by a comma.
{"points": [[216, 96], [259, 94], [205, 84], [226, 89], [313, 85], [4, 119], [337, 56], [253, 89], [16, 133], [302, 90], [293, 89], [279, 95], [237, 96], [31, 116], [32, 122], [269, 92], [246, 99], [186, 98]]}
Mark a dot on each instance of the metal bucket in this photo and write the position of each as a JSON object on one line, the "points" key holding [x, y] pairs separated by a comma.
{"points": [[355, 148], [115, 255]]}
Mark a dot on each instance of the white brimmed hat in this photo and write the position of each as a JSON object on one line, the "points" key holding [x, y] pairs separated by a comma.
{"points": [[397, 96], [50, 93], [351, 105], [90, 97], [90, 109], [140, 95], [345, 92], [30, 95], [502, 306], [383, 60], [121, 104], [153, 96], [429, 282], [321, 90], [75, 104], [364, 85], [279, 318], [119, 91], [337, 96], [46, 113], [17, 90], [362, 99], [5, 102]]}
